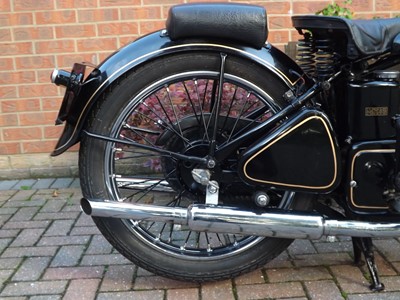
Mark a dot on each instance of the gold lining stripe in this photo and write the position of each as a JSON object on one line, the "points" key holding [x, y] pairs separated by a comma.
{"points": [[273, 68], [297, 185], [352, 175]]}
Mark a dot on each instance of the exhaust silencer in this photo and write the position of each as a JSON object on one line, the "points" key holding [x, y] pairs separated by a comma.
{"points": [[273, 223]]}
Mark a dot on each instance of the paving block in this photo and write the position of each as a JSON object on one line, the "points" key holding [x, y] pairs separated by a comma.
{"points": [[137, 295], [322, 289], [7, 184], [68, 256], [29, 288], [118, 278], [61, 183], [82, 289], [24, 184], [44, 183], [270, 291], [59, 228], [73, 273], [28, 237], [179, 294], [75, 183], [31, 269]]}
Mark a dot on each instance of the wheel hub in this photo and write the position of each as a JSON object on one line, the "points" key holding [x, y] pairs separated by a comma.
{"points": [[193, 141], [185, 170]]}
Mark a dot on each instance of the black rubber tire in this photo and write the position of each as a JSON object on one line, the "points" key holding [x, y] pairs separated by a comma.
{"points": [[95, 181]]}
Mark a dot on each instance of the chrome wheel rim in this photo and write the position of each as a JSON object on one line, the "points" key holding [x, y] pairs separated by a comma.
{"points": [[144, 177]]}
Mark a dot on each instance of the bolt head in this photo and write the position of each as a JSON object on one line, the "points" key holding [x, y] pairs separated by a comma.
{"points": [[262, 200], [211, 163], [212, 189], [353, 183]]}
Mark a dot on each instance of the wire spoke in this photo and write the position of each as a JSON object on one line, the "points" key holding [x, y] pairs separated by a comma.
{"points": [[174, 110], [161, 122], [181, 117], [191, 101], [229, 108], [201, 106], [148, 189], [136, 154], [127, 126]]}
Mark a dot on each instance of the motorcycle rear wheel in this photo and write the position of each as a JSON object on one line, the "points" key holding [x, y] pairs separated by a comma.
{"points": [[168, 103]]}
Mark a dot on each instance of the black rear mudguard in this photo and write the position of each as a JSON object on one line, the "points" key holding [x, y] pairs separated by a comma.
{"points": [[81, 97]]}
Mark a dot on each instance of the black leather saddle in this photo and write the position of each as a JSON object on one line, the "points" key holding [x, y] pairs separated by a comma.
{"points": [[365, 37], [242, 23]]}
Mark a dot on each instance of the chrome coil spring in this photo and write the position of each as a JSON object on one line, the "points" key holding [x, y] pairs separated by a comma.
{"points": [[305, 54], [324, 59]]}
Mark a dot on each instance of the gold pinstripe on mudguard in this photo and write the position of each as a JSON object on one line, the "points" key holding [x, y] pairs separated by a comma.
{"points": [[271, 67]]}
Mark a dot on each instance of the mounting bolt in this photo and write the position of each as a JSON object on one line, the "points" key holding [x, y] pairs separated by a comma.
{"points": [[289, 96], [212, 189], [211, 163], [325, 85], [261, 199]]}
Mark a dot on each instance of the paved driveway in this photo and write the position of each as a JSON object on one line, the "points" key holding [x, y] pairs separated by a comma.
{"points": [[50, 250]]}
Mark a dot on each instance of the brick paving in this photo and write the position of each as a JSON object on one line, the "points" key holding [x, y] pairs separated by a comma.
{"points": [[50, 250]]}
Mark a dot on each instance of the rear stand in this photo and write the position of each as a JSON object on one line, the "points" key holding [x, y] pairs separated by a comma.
{"points": [[364, 245]]}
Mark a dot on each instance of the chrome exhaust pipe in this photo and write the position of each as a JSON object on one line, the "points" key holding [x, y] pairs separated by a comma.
{"points": [[123, 210], [274, 223]]}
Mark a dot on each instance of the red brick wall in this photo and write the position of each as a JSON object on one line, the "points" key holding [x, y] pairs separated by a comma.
{"points": [[38, 35]]}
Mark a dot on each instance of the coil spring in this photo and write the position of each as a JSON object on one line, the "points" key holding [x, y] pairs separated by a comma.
{"points": [[305, 54], [324, 59]]}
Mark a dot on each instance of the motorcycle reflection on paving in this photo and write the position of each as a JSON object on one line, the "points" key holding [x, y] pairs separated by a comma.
{"points": [[205, 150]]}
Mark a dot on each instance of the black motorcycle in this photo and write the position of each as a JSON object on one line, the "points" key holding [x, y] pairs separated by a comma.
{"points": [[205, 150]]}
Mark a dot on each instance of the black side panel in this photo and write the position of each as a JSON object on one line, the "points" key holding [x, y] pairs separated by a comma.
{"points": [[370, 166], [302, 154], [370, 108]]}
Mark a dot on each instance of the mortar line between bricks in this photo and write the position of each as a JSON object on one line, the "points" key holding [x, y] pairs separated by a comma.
{"points": [[66, 288], [134, 275], [47, 267], [36, 244], [103, 276], [265, 275], [50, 261], [13, 238], [48, 225], [234, 289], [59, 247], [306, 291], [5, 283], [76, 219], [291, 258], [86, 246], [376, 250], [199, 292], [365, 274], [342, 292]]}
